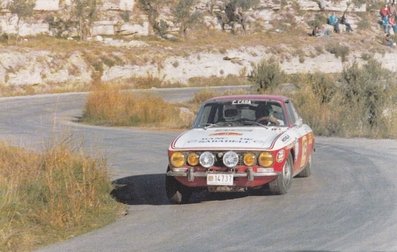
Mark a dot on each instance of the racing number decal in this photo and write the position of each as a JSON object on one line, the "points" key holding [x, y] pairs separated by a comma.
{"points": [[304, 150]]}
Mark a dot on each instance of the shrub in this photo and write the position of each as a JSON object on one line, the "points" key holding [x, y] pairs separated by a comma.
{"points": [[322, 117], [266, 75], [112, 106], [367, 92], [318, 20], [338, 50], [51, 196], [323, 86], [361, 101]]}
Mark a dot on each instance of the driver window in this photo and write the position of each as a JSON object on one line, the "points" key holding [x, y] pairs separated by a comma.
{"points": [[293, 115]]}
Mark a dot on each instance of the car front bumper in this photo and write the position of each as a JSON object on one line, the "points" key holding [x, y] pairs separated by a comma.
{"points": [[248, 178]]}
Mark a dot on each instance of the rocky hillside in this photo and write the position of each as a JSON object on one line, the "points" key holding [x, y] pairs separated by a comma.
{"points": [[120, 49]]}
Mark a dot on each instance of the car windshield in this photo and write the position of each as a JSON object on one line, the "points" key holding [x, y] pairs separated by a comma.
{"points": [[235, 113]]}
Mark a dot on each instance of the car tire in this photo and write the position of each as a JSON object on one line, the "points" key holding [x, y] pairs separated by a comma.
{"points": [[307, 171], [283, 181], [176, 193]]}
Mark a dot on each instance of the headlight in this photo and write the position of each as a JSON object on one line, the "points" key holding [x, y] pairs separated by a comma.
{"points": [[249, 159], [207, 159], [230, 159], [177, 159], [265, 159], [193, 159]]}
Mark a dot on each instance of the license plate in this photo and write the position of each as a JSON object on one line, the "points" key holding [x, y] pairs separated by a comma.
{"points": [[219, 179]]}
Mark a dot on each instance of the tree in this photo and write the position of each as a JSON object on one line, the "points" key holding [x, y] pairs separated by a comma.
{"points": [[85, 11], [21, 8], [185, 16], [234, 12], [151, 8]]}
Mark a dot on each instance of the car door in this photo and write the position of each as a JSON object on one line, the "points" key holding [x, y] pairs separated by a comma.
{"points": [[301, 133]]}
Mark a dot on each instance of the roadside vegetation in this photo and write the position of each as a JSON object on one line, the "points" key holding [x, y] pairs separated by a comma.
{"points": [[359, 102], [51, 196], [112, 106]]}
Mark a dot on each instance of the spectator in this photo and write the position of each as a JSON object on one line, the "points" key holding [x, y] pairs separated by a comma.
{"points": [[320, 31], [345, 22], [389, 40], [316, 31], [384, 11], [392, 23], [386, 24], [334, 21]]}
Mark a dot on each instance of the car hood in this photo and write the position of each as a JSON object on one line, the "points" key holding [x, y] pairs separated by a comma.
{"points": [[228, 138]]}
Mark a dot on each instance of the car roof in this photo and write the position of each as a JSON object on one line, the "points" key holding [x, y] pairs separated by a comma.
{"points": [[278, 98]]}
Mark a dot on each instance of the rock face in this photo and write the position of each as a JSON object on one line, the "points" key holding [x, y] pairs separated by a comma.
{"points": [[110, 15], [42, 67]]}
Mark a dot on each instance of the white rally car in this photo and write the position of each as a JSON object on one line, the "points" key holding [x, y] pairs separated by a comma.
{"points": [[237, 143]]}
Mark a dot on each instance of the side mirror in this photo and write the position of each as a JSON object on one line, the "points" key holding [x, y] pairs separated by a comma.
{"points": [[299, 122]]}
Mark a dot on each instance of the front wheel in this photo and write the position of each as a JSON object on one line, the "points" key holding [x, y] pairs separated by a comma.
{"points": [[176, 193], [283, 181], [307, 171]]}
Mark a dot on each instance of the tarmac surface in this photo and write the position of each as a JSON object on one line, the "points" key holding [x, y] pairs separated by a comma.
{"points": [[348, 204]]}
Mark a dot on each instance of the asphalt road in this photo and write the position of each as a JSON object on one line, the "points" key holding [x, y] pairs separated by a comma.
{"points": [[348, 204]]}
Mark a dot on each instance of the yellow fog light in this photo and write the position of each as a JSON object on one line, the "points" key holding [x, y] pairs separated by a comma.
{"points": [[249, 159], [177, 159], [193, 159], [265, 159]]}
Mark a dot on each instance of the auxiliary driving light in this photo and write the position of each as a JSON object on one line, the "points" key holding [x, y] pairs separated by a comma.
{"points": [[207, 159], [193, 159], [249, 159], [265, 159], [230, 159], [177, 159]]}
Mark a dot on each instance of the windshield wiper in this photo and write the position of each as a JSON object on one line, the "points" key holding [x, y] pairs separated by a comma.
{"points": [[210, 125], [251, 122]]}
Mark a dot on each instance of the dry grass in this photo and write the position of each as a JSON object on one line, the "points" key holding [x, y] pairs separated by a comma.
{"points": [[337, 117], [51, 196], [112, 106]]}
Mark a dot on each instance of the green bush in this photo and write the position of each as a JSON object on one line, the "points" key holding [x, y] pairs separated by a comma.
{"points": [[368, 92], [360, 102], [266, 75], [323, 86]]}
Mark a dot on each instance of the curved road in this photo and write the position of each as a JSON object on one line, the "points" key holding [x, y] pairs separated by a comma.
{"points": [[349, 203]]}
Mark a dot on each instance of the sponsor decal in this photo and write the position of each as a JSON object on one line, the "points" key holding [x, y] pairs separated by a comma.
{"points": [[242, 140], [285, 138], [226, 134], [233, 130], [241, 102]]}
